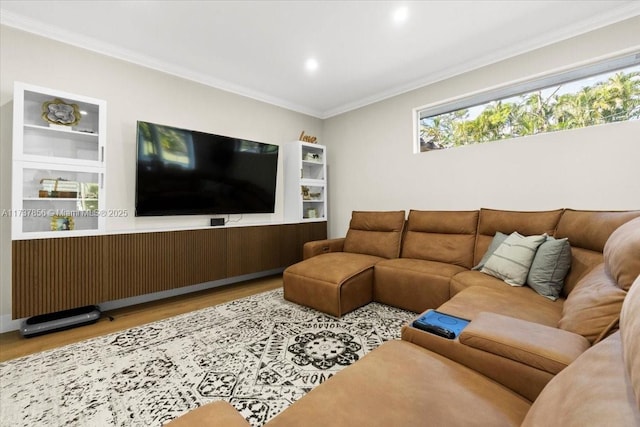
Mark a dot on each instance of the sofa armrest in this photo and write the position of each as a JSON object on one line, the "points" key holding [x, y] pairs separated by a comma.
{"points": [[318, 247], [489, 350], [539, 346], [215, 414]]}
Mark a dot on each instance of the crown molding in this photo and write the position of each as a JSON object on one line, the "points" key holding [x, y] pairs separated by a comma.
{"points": [[51, 32], [632, 10], [91, 44]]}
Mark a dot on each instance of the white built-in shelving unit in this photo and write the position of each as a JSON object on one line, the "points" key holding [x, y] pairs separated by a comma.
{"points": [[305, 194], [58, 181]]}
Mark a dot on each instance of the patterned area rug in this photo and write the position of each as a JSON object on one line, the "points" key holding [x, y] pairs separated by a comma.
{"points": [[260, 353]]}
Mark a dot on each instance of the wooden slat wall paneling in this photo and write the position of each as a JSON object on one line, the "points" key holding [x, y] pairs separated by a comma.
{"points": [[88, 271], [143, 263], [290, 244], [137, 264], [313, 231], [200, 256], [253, 249], [50, 275], [55, 274], [308, 232], [121, 267]]}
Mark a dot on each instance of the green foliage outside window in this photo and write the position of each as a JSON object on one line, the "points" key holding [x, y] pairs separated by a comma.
{"points": [[566, 106]]}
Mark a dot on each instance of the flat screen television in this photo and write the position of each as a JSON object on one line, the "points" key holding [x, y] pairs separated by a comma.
{"points": [[186, 172]]}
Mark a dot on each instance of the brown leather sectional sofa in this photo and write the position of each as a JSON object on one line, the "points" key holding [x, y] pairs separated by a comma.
{"points": [[426, 262], [525, 359]]}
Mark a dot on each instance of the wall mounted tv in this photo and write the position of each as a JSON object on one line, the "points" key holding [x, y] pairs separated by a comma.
{"points": [[186, 172]]}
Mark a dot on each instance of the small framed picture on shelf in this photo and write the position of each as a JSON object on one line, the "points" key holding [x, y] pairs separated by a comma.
{"points": [[61, 223]]}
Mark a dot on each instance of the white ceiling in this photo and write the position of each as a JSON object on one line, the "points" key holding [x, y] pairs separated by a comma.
{"points": [[259, 48]]}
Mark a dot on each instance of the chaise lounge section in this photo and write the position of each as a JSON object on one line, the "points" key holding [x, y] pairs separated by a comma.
{"points": [[337, 274]]}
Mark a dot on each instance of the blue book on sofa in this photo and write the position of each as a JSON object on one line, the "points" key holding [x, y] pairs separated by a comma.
{"points": [[441, 324]]}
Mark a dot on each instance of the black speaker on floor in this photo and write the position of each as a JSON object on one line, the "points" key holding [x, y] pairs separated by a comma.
{"points": [[60, 320]]}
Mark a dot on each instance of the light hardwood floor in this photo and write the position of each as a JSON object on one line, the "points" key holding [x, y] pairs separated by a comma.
{"points": [[13, 345]]}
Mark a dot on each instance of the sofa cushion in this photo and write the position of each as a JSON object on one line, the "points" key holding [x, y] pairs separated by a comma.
{"points": [[543, 347], [526, 223], [630, 333], [334, 283], [402, 384], [593, 305], [333, 267], [495, 244], [412, 284], [375, 233], [582, 261], [468, 279], [622, 254], [591, 229], [520, 302], [588, 232], [594, 390], [443, 236], [549, 267], [512, 260]]}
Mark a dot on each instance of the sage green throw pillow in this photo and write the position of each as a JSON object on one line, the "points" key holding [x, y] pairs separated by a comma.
{"points": [[549, 267], [495, 243], [512, 260]]}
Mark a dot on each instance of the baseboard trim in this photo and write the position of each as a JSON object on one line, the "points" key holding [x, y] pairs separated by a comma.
{"points": [[7, 324]]}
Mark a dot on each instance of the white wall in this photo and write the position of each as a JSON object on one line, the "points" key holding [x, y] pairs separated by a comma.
{"points": [[132, 93], [372, 165]]}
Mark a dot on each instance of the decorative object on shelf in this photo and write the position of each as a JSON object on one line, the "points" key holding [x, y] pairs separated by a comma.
{"points": [[61, 223], [58, 188], [88, 196], [88, 190], [305, 192], [58, 112], [312, 213], [307, 138], [315, 196], [313, 157]]}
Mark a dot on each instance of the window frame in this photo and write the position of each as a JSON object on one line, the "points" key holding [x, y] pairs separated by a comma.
{"points": [[520, 87]]}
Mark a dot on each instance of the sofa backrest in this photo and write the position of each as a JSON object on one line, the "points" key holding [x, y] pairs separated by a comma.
{"points": [[588, 232], [526, 223], [593, 307], [630, 333], [444, 236], [375, 233], [622, 254], [602, 386]]}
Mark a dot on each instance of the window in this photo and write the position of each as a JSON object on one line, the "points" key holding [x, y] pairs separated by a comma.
{"points": [[601, 93]]}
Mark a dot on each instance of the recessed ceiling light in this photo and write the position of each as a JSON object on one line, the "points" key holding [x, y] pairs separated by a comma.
{"points": [[311, 64], [400, 14]]}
